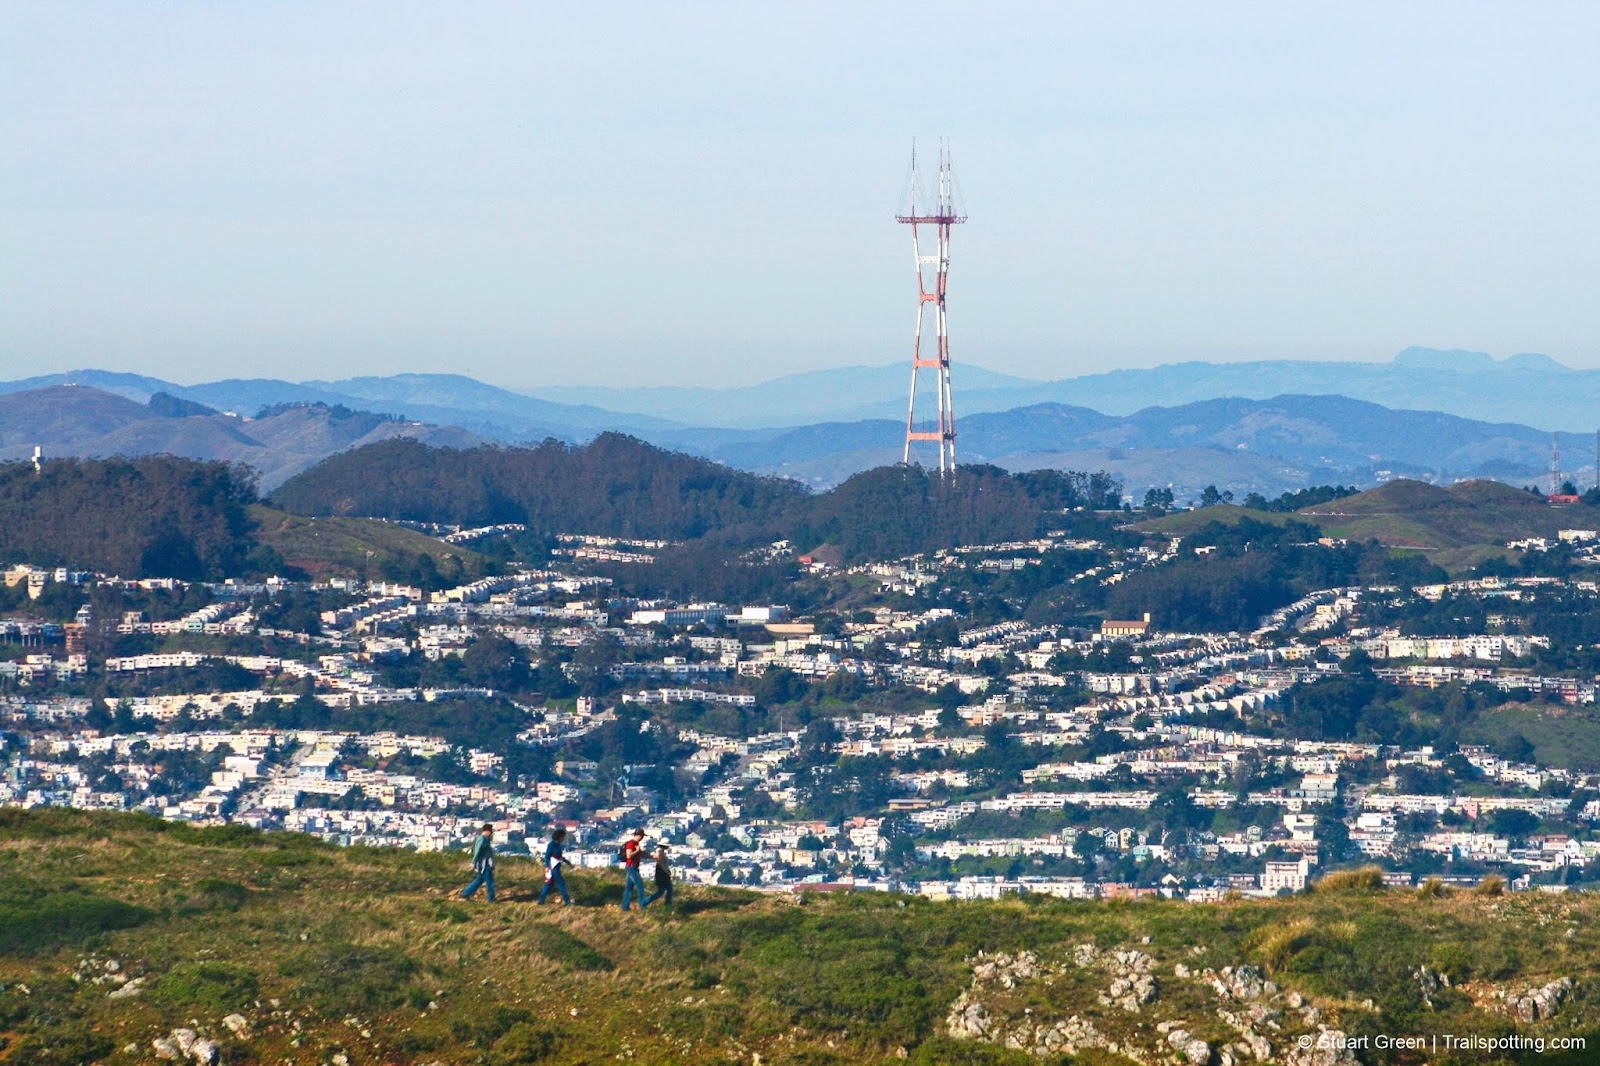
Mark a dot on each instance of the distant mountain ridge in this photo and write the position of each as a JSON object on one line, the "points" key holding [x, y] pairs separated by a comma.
{"points": [[441, 399], [1528, 388], [1268, 446], [1166, 426], [86, 422]]}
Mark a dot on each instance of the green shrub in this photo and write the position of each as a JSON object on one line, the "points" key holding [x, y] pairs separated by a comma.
{"points": [[206, 987], [560, 946], [32, 917], [350, 978], [224, 895], [1454, 960], [484, 1030], [523, 1042], [61, 1045]]}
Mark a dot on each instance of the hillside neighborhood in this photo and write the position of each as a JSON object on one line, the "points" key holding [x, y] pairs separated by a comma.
{"points": [[897, 746]]}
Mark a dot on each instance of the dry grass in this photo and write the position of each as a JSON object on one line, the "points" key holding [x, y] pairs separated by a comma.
{"points": [[1362, 879]]}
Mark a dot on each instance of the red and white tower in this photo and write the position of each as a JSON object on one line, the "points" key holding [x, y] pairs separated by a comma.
{"points": [[933, 269]]}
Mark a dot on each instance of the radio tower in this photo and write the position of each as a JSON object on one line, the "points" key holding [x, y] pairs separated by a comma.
{"points": [[931, 287]]}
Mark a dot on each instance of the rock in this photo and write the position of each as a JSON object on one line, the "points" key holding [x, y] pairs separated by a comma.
{"points": [[968, 1018], [1181, 971], [1191, 1047], [1295, 1000], [1132, 983], [185, 1039], [203, 1051], [1083, 955], [1243, 983], [165, 1048], [341, 1059], [1536, 1004], [1006, 970], [238, 1025], [128, 990], [112, 966]]}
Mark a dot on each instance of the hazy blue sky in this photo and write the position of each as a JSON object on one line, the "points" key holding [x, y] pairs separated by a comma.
{"points": [[620, 192]]}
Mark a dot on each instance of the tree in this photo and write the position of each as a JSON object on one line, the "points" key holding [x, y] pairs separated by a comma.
{"points": [[1210, 497], [1515, 748], [1158, 499], [1513, 823], [493, 661], [591, 664]]}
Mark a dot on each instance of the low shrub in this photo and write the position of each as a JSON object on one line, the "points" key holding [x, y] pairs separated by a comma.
{"points": [[33, 918], [214, 988], [351, 978], [560, 946], [523, 1042]]}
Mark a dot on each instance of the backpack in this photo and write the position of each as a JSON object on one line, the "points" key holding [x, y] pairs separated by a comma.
{"points": [[622, 853]]}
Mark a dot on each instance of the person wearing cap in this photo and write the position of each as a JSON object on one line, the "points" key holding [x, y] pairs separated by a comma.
{"points": [[663, 879], [553, 861], [632, 883], [483, 863]]}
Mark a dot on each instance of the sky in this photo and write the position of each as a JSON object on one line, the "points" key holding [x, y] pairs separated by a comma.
{"points": [[703, 193]]}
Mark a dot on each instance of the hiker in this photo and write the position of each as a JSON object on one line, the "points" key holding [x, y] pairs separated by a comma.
{"points": [[630, 854], [483, 863], [663, 879], [554, 860]]}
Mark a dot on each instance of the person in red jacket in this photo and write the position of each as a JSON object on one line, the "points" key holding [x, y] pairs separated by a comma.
{"points": [[632, 883]]}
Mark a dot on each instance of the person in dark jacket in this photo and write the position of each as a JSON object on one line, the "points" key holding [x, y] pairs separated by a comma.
{"points": [[663, 879], [554, 860], [483, 863]]}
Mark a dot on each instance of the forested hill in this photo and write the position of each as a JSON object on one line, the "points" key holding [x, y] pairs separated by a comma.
{"points": [[619, 486], [152, 515], [614, 485]]}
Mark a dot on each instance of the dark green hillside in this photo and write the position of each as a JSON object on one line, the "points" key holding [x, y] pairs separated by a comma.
{"points": [[897, 510], [619, 486], [150, 516], [119, 931], [614, 485]]}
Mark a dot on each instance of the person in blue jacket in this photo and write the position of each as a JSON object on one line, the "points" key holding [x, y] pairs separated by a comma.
{"points": [[483, 863], [554, 860]]}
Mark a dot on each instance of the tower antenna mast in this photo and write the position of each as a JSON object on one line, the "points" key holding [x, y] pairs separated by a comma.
{"points": [[933, 270]]}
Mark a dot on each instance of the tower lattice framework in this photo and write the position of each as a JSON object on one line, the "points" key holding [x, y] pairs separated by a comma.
{"points": [[933, 272]]}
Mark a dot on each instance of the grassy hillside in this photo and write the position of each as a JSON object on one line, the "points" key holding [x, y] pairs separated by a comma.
{"points": [[1183, 523], [339, 546], [1457, 526], [275, 948]]}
